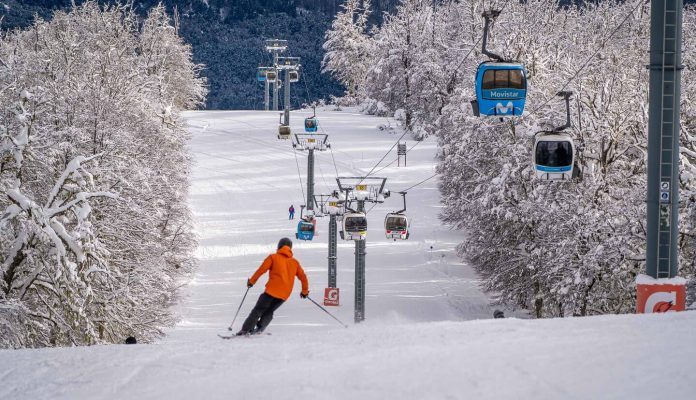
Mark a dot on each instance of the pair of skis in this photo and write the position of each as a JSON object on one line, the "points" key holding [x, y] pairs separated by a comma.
{"points": [[247, 336], [254, 336]]}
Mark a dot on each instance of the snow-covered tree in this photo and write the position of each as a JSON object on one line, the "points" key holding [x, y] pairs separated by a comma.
{"points": [[347, 45], [557, 249], [95, 232]]}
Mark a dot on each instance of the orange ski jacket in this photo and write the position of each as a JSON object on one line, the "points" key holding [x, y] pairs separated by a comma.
{"points": [[281, 278]]}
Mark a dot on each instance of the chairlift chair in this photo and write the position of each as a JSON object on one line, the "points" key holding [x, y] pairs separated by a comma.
{"points": [[501, 85], [354, 226]]}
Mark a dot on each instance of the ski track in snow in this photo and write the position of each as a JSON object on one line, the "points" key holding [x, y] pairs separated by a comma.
{"points": [[424, 336]]}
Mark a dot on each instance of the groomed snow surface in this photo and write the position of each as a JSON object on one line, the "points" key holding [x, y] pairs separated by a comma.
{"points": [[427, 333]]}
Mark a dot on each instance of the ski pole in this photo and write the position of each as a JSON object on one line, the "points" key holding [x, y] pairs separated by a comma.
{"points": [[326, 311], [240, 307]]}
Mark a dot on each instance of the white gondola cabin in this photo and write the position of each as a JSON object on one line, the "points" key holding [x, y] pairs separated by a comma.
{"points": [[354, 226], [283, 132], [554, 157], [271, 75], [294, 76], [396, 226]]}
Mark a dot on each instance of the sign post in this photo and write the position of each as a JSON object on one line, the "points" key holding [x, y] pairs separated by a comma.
{"points": [[331, 296], [401, 151]]}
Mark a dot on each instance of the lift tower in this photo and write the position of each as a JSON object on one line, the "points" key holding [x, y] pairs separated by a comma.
{"points": [[361, 190], [311, 142], [291, 66], [275, 47], [333, 206], [659, 291]]}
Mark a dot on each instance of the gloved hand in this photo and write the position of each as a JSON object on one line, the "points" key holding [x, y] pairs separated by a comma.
{"points": [[304, 295], [249, 284]]}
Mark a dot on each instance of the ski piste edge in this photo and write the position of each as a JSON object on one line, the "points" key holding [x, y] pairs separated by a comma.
{"points": [[242, 336]]}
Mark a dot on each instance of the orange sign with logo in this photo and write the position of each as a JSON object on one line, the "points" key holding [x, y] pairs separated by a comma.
{"points": [[660, 297], [331, 296]]}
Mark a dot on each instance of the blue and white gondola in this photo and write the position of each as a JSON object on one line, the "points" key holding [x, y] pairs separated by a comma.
{"points": [[305, 230], [501, 89], [311, 124]]}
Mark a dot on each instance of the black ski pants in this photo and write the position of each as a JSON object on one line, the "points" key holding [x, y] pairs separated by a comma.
{"points": [[262, 314]]}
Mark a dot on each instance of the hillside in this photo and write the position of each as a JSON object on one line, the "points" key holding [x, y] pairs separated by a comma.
{"points": [[424, 336]]}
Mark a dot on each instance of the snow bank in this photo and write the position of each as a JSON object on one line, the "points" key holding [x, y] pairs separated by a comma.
{"points": [[649, 280], [609, 357]]}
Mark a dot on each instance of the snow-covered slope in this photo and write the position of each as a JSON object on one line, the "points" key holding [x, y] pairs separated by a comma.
{"points": [[610, 357], [423, 337], [246, 179]]}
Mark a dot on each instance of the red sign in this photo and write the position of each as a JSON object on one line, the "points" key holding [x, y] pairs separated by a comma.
{"points": [[660, 298], [331, 296]]}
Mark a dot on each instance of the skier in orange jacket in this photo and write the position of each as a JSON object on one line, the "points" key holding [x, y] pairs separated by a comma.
{"points": [[281, 279]]}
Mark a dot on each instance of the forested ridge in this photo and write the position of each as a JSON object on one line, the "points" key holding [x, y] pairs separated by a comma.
{"points": [[227, 36]]}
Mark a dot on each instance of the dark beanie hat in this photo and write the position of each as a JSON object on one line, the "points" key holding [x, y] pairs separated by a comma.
{"points": [[284, 242]]}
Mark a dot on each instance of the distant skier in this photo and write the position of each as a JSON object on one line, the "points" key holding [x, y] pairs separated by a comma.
{"points": [[291, 210], [283, 270]]}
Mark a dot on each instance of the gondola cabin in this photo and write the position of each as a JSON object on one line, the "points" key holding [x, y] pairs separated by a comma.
{"points": [[501, 89], [305, 230], [354, 226], [311, 124], [554, 157], [294, 76], [261, 73], [271, 75], [396, 226], [283, 131]]}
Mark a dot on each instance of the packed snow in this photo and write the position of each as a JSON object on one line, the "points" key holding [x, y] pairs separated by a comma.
{"points": [[427, 333]]}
